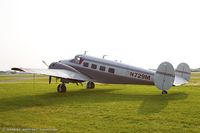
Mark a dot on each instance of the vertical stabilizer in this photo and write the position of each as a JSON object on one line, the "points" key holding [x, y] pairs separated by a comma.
{"points": [[182, 73], [164, 76]]}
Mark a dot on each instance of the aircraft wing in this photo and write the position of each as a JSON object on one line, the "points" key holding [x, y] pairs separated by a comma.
{"points": [[60, 73]]}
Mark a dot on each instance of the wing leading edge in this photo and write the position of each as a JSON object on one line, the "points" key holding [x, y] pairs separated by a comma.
{"points": [[60, 73]]}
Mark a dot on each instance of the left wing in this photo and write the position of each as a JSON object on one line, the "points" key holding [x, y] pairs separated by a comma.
{"points": [[60, 73]]}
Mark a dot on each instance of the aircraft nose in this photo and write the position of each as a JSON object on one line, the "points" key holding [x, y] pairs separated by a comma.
{"points": [[52, 65]]}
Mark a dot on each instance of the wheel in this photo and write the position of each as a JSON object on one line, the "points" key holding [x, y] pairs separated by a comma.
{"points": [[164, 92], [61, 88], [90, 85]]}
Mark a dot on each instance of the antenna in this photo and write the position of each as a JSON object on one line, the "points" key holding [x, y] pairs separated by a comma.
{"points": [[104, 56]]}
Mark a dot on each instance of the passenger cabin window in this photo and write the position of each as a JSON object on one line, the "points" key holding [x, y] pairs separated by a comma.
{"points": [[94, 66], [111, 70], [85, 64], [102, 68]]}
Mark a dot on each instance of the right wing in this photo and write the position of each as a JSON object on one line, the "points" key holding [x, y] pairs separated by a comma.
{"points": [[60, 73]]}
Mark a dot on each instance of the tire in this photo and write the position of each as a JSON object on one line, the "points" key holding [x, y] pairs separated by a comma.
{"points": [[90, 85], [61, 88], [164, 92]]}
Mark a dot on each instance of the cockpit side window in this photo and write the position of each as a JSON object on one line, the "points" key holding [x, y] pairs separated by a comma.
{"points": [[72, 60], [78, 60], [85, 64]]}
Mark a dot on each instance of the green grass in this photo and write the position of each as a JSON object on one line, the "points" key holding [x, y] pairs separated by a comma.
{"points": [[27, 104]]}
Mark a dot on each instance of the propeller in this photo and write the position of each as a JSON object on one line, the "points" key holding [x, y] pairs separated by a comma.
{"points": [[48, 67], [45, 63]]}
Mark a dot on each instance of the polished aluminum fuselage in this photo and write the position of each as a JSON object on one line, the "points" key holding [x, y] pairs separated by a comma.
{"points": [[123, 74]]}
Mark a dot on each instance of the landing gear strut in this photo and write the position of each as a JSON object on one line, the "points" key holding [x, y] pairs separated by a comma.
{"points": [[164, 92], [61, 88], [90, 85]]}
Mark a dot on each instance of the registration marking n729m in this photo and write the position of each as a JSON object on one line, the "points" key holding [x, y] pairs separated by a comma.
{"points": [[139, 75]]}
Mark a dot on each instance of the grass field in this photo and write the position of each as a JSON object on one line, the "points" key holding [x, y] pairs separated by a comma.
{"points": [[28, 105]]}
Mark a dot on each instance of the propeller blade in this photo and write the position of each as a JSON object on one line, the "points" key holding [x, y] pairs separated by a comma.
{"points": [[45, 63], [49, 79]]}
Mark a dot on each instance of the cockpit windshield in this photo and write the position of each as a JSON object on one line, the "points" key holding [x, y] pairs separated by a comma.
{"points": [[77, 60]]}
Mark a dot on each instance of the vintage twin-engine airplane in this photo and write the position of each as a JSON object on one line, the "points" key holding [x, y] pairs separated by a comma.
{"points": [[86, 68]]}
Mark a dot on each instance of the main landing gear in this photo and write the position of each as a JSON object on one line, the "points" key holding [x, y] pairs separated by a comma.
{"points": [[164, 92], [90, 85], [61, 88]]}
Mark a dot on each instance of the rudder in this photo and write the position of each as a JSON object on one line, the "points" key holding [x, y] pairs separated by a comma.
{"points": [[183, 70], [182, 74], [164, 76]]}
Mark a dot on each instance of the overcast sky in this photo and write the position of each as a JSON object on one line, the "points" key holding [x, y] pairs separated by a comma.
{"points": [[141, 32]]}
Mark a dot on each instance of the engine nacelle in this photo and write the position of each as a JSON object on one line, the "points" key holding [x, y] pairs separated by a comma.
{"points": [[58, 65]]}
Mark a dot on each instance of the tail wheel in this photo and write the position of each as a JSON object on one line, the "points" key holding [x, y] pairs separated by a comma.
{"points": [[90, 85], [61, 88], [164, 92]]}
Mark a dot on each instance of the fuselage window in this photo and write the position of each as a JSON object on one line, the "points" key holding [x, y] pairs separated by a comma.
{"points": [[111, 70], [94, 66], [102, 68], [77, 60], [85, 64]]}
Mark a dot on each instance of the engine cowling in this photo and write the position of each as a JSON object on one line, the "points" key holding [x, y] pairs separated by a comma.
{"points": [[58, 65]]}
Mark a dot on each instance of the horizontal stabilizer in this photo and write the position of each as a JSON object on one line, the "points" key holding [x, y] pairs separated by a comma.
{"points": [[182, 74], [179, 81]]}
